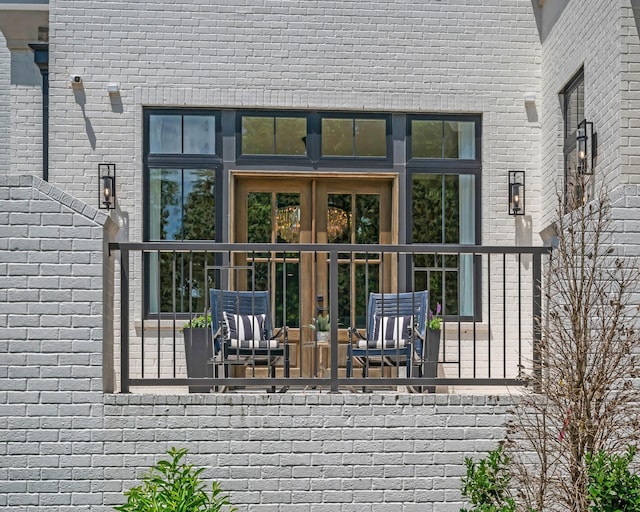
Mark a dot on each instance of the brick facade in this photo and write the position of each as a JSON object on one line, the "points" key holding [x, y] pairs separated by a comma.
{"points": [[364, 56]]}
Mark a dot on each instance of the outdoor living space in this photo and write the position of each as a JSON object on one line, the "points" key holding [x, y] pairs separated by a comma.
{"points": [[476, 331]]}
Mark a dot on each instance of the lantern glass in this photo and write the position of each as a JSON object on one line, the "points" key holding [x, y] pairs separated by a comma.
{"points": [[107, 186], [516, 193]]}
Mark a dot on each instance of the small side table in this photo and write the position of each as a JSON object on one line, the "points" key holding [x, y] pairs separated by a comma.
{"points": [[319, 348]]}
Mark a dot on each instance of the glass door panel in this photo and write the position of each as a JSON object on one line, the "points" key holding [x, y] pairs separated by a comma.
{"points": [[314, 209]]}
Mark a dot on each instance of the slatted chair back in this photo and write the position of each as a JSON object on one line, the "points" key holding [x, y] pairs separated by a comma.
{"points": [[414, 304]]}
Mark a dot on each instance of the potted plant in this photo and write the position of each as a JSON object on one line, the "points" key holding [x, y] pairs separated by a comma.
{"points": [[322, 326], [198, 348], [432, 345]]}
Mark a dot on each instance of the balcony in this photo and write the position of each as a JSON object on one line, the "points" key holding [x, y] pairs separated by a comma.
{"points": [[490, 298]]}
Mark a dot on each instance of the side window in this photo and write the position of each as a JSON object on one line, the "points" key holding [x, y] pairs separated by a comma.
{"points": [[181, 163], [575, 192], [444, 170]]}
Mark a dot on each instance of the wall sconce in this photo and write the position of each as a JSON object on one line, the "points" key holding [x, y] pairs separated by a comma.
{"points": [[586, 147], [107, 186], [516, 192], [113, 88]]}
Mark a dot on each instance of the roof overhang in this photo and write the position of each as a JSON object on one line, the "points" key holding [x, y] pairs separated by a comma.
{"points": [[23, 22]]}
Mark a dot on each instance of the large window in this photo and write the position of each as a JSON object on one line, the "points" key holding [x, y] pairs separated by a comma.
{"points": [[444, 169], [181, 163], [187, 194], [575, 192]]}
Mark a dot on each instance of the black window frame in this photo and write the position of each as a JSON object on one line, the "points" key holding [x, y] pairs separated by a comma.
{"points": [[176, 161], [569, 138], [313, 142], [227, 156], [456, 167]]}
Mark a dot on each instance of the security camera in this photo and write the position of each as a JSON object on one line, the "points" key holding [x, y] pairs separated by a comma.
{"points": [[76, 79]]}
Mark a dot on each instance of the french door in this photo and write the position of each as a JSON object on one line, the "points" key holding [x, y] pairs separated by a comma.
{"points": [[331, 208]]}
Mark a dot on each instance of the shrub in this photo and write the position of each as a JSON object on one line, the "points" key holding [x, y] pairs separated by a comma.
{"points": [[487, 484], [174, 486], [612, 487]]}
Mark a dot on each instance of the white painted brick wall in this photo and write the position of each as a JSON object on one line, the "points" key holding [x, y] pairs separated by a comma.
{"points": [[5, 105], [362, 55], [26, 114], [601, 36], [68, 446]]}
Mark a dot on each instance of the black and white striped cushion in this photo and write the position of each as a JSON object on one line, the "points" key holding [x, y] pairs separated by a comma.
{"points": [[389, 332], [244, 327]]}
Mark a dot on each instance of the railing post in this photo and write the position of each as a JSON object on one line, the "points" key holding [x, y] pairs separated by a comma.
{"points": [[537, 316], [333, 314], [124, 320]]}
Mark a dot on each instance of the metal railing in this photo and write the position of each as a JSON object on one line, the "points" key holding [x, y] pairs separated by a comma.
{"points": [[490, 331]]}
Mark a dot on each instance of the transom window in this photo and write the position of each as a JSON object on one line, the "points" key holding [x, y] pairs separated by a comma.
{"points": [[273, 135], [182, 134], [438, 138], [314, 137], [354, 137]]}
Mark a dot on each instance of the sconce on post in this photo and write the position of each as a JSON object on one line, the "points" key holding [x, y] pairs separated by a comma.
{"points": [[516, 192], [107, 186], [585, 147]]}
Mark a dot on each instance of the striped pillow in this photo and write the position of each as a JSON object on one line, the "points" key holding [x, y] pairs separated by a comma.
{"points": [[391, 328], [244, 327]]}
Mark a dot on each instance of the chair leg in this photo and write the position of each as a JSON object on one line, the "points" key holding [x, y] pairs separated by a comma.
{"points": [[272, 372]]}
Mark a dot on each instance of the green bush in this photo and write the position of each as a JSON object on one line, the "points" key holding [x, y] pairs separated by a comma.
{"points": [[612, 487], [487, 484], [197, 322], [176, 487]]}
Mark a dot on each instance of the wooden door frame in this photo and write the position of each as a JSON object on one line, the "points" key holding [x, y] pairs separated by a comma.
{"points": [[340, 182]]}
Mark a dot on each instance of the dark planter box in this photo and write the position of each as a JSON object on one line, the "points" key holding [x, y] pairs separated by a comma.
{"points": [[198, 349], [432, 351]]}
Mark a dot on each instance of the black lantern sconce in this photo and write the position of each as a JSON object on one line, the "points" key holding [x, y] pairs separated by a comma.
{"points": [[107, 186], [516, 192], [585, 147]]}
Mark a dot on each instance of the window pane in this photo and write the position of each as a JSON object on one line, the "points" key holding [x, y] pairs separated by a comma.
{"points": [[337, 137], [459, 140], [575, 195], [367, 280], [339, 219], [259, 217], [288, 218], [165, 204], [574, 109], [427, 208], [367, 219], [165, 134], [257, 135], [182, 282], [426, 139], [199, 221], [451, 214], [371, 138], [290, 132], [199, 135], [292, 298]]}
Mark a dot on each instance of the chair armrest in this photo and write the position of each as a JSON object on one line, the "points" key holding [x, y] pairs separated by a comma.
{"points": [[283, 331], [356, 333], [417, 333], [218, 340]]}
